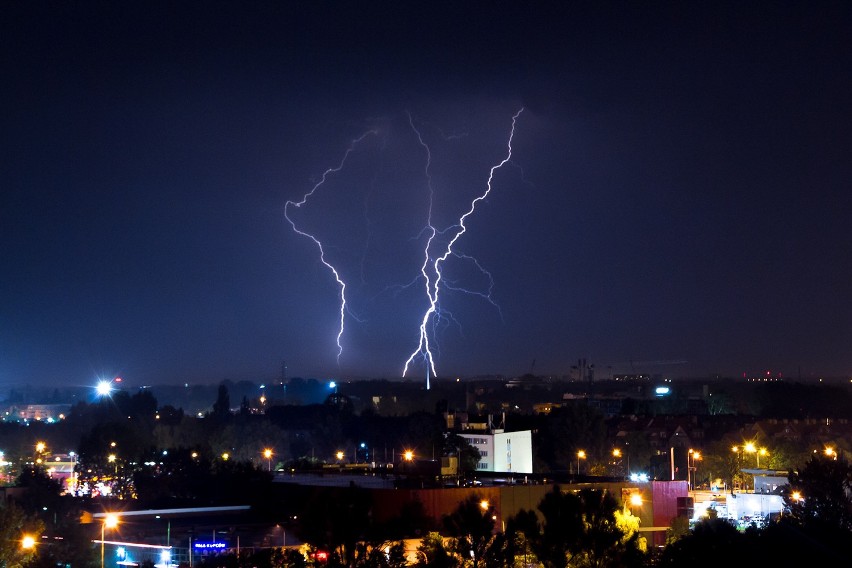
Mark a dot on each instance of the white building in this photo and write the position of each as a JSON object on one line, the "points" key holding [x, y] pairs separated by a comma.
{"points": [[503, 452]]}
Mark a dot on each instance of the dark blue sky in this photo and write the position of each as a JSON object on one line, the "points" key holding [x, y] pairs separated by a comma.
{"points": [[679, 187]]}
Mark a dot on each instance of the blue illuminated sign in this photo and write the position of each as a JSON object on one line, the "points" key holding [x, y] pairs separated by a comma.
{"points": [[210, 545]]}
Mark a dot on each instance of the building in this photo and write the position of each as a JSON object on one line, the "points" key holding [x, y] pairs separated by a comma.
{"points": [[503, 452]]}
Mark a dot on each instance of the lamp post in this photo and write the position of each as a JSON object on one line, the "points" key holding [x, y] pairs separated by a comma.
{"points": [[581, 455], [267, 453], [110, 522], [616, 453], [736, 451], [635, 502], [694, 456]]}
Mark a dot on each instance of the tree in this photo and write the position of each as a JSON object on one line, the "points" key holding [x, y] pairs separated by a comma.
{"points": [[563, 522], [14, 525], [222, 406], [433, 554], [818, 496], [472, 525], [336, 520], [585, 529], [468, 455], [711, 541], [513, 548]]}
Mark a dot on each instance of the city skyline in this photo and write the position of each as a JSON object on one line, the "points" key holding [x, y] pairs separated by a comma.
{"points": [[674, 200]]}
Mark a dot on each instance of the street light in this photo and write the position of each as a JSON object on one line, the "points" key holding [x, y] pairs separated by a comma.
{"points": [[581, 455], [736, 451], [267, 453], [110, 522], [339, 455], [752, 449], [691, 469], [408, 455], [104, 388], [28, 542], [617, 454]]}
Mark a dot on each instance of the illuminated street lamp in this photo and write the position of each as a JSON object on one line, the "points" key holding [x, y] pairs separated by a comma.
{"points": [[693, 456], [339, 455], [736, 451], [110, 522], [408, 455], [752, 449], [28, 542], [104, 388], [830, 452], [618, 454], [581, 455], [267, 453], [225, 456]]}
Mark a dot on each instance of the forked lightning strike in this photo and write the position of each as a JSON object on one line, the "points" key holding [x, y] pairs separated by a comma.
{"points": [[298, 204], [423, 347], [433, 285]]}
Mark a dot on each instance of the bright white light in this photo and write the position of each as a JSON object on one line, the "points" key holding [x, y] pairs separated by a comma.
{"points": [[662, 391], [104, 388], [635, 477], [332, 385]]}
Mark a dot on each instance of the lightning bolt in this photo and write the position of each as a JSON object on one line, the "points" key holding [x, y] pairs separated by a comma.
{"points": [[432, 273], [423, 347], [298, 204]]}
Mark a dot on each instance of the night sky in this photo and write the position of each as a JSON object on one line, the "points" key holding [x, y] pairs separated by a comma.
{"points": [[679, 188]]}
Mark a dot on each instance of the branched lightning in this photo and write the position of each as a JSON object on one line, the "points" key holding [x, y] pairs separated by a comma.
{"points": [[432, 271], [484, 295], [430, 230], [298, 204]]}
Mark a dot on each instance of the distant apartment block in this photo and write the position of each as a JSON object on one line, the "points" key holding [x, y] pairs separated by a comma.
{"points": [[503, 452]]}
